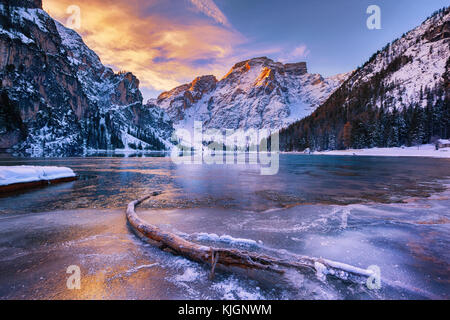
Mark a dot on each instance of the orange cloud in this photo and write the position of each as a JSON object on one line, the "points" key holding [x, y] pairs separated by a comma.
{"points": [[161, 48]]}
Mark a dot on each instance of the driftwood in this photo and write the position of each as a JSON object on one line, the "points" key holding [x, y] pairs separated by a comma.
{"points": [[238, 258]]}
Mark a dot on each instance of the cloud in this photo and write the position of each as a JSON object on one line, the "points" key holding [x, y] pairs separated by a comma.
{"points": [[295, 55], [209, 8], [164, 48], [300, 52]]}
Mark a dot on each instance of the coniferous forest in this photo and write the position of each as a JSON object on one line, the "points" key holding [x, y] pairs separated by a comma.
{"points": [[349, 119], [367, 112]]}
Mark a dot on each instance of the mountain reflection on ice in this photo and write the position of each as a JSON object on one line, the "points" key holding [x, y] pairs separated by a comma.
{"points": [[364, 211]]}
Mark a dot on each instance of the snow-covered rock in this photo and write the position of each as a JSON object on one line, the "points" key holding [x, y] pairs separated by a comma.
{"points": [[257, 93], [23, 174]]}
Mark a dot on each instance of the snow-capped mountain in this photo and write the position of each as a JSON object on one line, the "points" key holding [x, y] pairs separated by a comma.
{"points": [[399, 97], [257, 93], [59, 99], [416, 61]]}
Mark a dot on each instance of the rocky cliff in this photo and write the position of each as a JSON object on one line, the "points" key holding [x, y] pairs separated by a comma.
{"points": [[59, 99]]}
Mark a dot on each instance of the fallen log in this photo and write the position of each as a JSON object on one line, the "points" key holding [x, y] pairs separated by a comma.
{"points": [[239, 258]]}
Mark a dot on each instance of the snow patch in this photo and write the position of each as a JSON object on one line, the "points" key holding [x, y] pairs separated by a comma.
{"points": [[427, 150], [225, 239], [23, 174], [231, 289]]}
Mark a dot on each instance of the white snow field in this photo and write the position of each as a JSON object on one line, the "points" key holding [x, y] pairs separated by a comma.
{"points": [[23, 174], [427, 150]]}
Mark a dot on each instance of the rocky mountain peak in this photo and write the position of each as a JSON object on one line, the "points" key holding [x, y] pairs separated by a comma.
{"points": [[296, 68], [203, 84], [255, 93], [187, 94], [266, 66], [255, 63]]}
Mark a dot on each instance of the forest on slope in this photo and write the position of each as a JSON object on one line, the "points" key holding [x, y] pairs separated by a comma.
{"points": [[374, 109]]}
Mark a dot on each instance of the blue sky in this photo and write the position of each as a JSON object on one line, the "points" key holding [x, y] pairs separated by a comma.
{"points": [[169, 42], [334, 32]]}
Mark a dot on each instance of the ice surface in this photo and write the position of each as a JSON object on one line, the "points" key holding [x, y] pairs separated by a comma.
{"points": [[408, 241]]}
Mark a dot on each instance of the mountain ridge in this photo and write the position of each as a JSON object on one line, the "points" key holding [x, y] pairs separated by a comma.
{"points": [[63, 100], [59, 99], [400, 96], [256, 93]]}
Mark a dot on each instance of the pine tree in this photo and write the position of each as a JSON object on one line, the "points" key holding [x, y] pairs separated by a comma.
{"points": [[347, 135]]}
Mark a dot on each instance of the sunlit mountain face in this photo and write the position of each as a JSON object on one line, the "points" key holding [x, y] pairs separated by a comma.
{"points": [[163, 42]]}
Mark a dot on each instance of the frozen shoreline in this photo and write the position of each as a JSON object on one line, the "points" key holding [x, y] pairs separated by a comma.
{"points": [[427, 150]]}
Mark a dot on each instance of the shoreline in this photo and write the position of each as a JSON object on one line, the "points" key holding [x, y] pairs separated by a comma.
{"points": [[424, 151]]}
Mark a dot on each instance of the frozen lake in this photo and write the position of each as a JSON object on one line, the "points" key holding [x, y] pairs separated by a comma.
{"points": [[390, 212]]}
